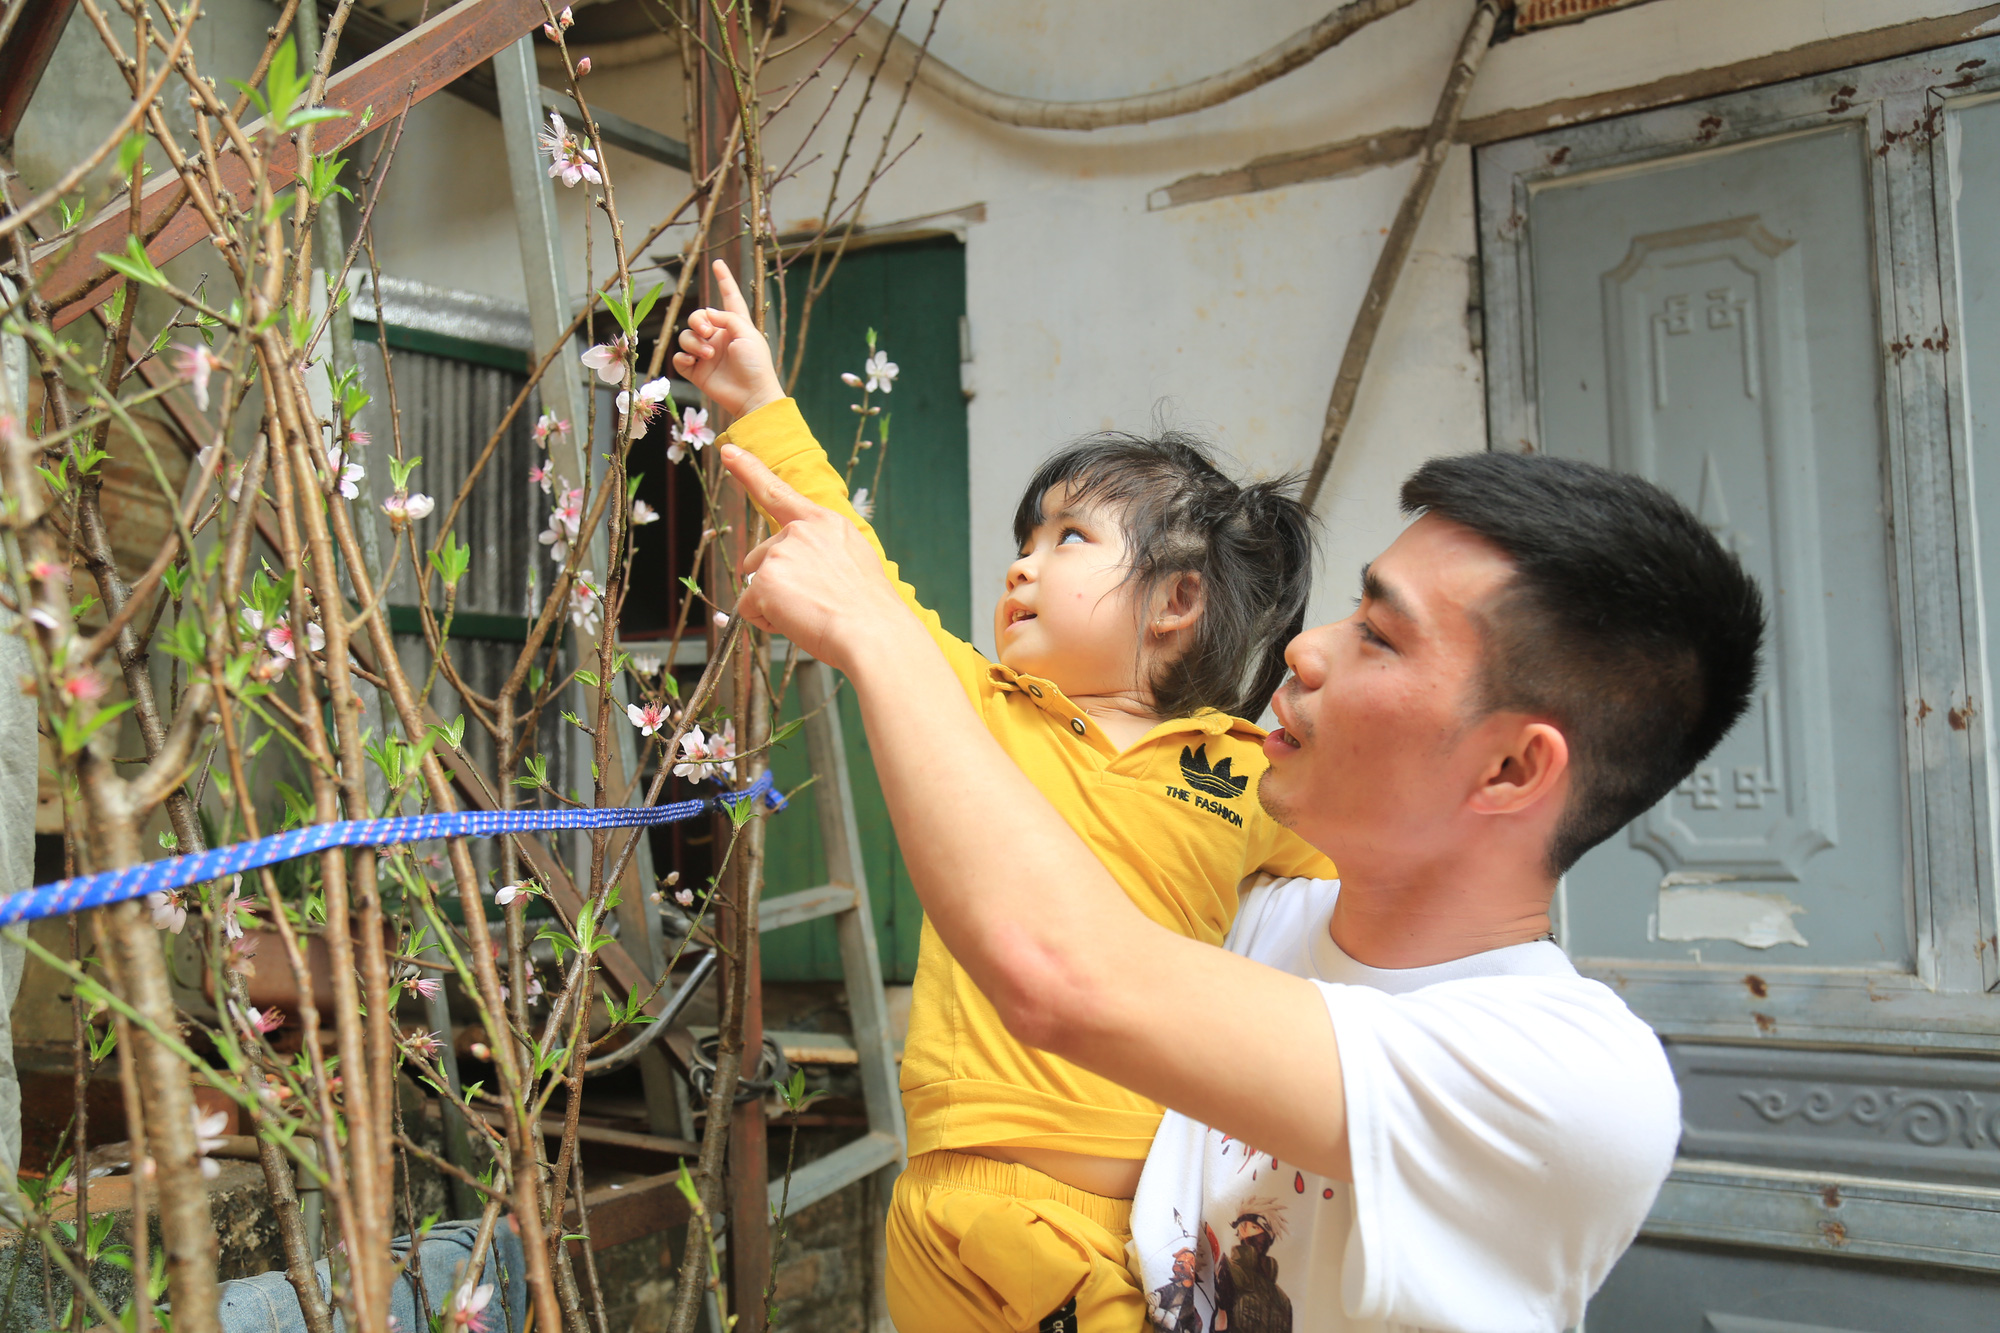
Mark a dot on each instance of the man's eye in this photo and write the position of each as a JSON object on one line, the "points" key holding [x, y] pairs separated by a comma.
{"points": [[1368, 633]]}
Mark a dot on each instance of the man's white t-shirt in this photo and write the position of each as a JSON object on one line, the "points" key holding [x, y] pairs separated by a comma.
{"points": [[1509, 1120]]}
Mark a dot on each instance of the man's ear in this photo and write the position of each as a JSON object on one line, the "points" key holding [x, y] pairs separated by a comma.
{"points": [[1532, 769], [1180, 610]]}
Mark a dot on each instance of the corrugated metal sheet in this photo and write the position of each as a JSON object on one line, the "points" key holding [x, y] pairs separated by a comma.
{"points": [[1545, 13], [449, 409]]}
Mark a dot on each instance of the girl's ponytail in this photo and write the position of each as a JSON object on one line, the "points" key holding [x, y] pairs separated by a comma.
{"points": [[1278, 534]]}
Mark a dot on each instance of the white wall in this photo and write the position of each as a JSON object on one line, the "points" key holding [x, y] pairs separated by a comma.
{"points": [[1087, 310]]}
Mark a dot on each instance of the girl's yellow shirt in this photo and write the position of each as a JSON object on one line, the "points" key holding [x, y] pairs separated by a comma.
{"points": [[1174, 818]]}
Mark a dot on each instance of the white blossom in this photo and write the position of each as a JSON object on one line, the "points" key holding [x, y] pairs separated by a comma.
{"points": [[650, 718], [881, 372], [571, 158], [643, 407], [608, 359]]}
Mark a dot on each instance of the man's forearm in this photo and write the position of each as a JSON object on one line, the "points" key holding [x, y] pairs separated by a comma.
{"points": [[1015, 894]]}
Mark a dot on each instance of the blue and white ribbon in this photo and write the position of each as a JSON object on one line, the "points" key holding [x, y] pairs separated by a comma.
{"points": [[176, 872]]}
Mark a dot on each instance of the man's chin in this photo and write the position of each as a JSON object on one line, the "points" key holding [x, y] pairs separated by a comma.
{"points": [[1271, 796]]}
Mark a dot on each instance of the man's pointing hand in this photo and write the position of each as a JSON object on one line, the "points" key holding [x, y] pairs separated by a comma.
{"points": [[817, 581]]}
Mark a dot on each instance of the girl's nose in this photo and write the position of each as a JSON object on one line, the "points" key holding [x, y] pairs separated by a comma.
{"points": [[1021, 571]]}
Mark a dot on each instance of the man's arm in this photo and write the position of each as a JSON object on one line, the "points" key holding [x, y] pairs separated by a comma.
{"points": [[1042, 928]]}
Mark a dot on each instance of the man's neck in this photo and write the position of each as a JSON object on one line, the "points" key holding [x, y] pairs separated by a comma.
{"points": [[1436, 920]]}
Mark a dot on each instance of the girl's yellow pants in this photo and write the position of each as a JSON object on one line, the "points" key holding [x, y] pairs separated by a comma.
{"points": [[979, 1246]]}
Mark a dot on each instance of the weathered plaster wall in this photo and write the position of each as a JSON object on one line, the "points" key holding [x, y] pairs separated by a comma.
{"points": [[1087, 310]]}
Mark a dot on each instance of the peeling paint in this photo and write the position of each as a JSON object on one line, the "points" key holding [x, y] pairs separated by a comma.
{"points": [[1755, 920]]}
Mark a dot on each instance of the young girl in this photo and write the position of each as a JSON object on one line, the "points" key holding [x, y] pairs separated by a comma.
{"points": [[1148, 608]]}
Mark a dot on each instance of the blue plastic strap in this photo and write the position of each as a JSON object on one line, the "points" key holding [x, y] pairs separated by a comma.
{"points": [[116, 886]]}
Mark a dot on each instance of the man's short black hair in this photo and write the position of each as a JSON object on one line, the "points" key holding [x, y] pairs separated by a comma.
{"points": [[1626, 624]]}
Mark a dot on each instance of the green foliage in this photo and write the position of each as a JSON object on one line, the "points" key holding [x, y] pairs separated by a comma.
{"points": [[284, 85], [136, 264], [451, 560], [130, 152], [631, 315], [630, 1013], [322, 177], [73, 730], [451, 733]]}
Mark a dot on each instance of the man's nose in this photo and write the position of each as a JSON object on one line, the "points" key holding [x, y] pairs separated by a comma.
{"points": [[1306, 656]]}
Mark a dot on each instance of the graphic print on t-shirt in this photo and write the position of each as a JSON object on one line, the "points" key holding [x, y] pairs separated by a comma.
{"points": [[1234, 1282]]}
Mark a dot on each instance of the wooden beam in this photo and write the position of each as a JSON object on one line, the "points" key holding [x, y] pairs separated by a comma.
{"points": [[24, 58], [406, 71], [366, 31], [633, 1209], [1351, 156]]}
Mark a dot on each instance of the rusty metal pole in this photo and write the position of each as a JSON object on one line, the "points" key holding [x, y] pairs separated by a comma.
{"points": [[1402, 235], [746, 1194]]}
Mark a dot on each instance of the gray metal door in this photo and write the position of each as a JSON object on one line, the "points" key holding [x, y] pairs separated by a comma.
{"points": [[1754, 301]]}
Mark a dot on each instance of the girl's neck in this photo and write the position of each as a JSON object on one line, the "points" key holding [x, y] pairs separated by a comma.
{"points": [[1125, 717]]}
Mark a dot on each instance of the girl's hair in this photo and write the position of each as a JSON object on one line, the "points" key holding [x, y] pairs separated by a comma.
{"points": [[1252, 547]]}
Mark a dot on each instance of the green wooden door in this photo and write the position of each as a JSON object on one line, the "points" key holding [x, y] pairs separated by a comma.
{"points": [[913, 296]]}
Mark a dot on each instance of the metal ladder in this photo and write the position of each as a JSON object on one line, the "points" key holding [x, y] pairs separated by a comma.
{"points": [[879, 1154]]}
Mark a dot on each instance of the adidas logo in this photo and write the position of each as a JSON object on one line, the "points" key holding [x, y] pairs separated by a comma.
{"points": [[1217, 781]]}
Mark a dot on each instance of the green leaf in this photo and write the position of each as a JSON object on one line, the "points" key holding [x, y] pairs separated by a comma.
{"points": [[136, 264], [323, 177], [645, 306], [129, 153], [399, 472], [451, 560], [186, 640], [75, 735], [587, 677], [621, 311], [786, 732], [451, 733]]}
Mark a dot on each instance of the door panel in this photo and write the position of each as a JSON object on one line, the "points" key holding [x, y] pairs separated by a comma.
{"points": [[1664, 1288], [1784, 306], [1972, 189], [1709, 323]]}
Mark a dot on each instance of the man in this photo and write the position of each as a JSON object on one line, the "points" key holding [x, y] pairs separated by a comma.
{"points": [[1173, 1304], [1465, 1133]]}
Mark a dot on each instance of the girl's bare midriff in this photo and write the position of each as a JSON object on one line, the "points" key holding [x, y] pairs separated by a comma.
{"points": [[1109, 1177]]}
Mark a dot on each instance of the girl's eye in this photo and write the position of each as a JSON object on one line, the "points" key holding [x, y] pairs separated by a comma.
{"points": [[1067, 535]]}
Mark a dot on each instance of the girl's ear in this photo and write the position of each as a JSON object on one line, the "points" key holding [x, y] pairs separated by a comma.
{"points": [[1180, 609]]}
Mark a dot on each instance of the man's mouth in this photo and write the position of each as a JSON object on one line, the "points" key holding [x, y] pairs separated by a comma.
{"points": [[1280, 734]]}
